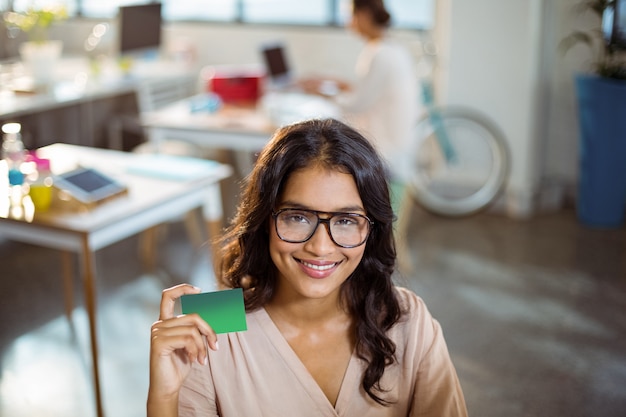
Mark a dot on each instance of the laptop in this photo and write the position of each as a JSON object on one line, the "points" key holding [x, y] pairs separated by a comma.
{"points": [[282, 77], [278, 68]]}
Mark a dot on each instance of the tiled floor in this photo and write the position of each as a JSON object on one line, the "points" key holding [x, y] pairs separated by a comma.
{"points": [[534, 313]]}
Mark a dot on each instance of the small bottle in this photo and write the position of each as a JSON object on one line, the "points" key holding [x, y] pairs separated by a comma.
{"points": [[40, 182], [14, 154]]}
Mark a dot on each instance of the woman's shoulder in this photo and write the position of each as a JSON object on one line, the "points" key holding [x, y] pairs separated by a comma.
{"points": [[408, 299], [390, 50], [415, 313], [416, 330]]}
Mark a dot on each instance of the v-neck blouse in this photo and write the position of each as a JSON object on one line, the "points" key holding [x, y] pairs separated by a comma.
{"points": [[256, 374]]}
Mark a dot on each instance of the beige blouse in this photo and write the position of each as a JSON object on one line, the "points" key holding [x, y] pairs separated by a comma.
{"points": [[256, 373]]}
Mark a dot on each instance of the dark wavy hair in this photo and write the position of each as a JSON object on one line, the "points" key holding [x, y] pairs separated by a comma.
{"points": [[376, 8], [368, 294]]}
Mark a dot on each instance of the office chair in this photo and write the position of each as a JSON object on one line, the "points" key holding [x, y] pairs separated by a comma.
{"points": [[153, 94]]}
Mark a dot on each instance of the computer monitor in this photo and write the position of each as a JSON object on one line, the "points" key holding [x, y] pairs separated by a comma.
{"points": [[140, 29]]}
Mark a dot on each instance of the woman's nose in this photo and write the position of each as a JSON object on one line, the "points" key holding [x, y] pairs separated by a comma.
{"points": [[321, 243]]}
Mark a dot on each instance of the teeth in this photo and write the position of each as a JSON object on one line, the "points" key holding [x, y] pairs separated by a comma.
{"points": [[318, 267]]}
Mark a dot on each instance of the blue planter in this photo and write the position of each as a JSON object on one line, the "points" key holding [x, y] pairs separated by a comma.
{"points": [[602, 182]]}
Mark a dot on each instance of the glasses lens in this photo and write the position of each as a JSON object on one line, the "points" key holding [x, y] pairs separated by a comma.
{"points": [[346, 229], [295, 225], [349, 229]]}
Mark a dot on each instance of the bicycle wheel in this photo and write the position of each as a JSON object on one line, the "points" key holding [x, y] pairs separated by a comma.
{"points": [[468, 179]]}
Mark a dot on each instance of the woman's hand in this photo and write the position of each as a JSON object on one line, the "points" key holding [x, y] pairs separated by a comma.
{"points": [[175, 343], [324, 86]]}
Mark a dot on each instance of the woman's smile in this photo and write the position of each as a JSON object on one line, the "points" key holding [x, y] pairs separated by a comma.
{"points": [[318, 269]]}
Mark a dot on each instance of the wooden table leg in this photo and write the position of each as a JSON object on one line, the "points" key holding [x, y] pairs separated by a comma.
{"points": [[89, 277], [68, 282], [148, 247]]}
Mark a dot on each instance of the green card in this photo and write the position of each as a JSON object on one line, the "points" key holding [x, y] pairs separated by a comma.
{"points": [[223, 310]]}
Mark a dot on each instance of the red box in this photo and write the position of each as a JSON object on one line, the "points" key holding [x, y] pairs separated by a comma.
{"points": [[234, 85]]}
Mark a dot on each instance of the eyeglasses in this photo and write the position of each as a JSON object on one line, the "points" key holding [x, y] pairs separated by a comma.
{"points": [[347, 230]]}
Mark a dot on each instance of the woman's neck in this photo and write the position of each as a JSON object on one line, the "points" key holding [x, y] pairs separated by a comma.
{"points": [[374, 33], [305, 311]]}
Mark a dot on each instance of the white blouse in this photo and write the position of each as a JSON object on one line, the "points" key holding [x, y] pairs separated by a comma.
{"points": [[385, 102]]}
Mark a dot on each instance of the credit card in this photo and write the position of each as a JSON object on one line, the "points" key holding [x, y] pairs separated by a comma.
{"points": [[223, 310]]}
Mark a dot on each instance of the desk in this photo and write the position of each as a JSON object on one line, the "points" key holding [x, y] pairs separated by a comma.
{"points": [[76, 88], [235, 128], [149, 202]]}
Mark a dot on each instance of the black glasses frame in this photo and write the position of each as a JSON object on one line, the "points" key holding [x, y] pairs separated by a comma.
{"points": [[326, 222]]}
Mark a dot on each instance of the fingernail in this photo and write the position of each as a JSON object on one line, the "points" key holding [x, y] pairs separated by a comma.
{"points": [[206, 359], [217, 346]]}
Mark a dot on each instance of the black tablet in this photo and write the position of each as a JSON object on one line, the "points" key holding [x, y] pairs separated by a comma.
{"points": [[88, 185]]}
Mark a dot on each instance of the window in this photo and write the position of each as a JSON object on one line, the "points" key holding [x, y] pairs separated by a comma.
{"points": [[412, 14], [210, 10], [314, 12]]}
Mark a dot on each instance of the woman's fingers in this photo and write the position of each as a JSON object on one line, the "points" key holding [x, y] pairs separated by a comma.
{"points": [[187, 338], [169, 297], [185, 332], [190, 325]]}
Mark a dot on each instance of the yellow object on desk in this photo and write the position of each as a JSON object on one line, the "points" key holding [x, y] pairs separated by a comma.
{"points": [[41, 195]]}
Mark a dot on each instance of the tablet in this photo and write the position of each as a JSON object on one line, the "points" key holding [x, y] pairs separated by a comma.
{"points": [[88, 185]]}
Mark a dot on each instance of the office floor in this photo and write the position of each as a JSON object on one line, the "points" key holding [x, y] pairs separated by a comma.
{"points": [[534, 313]]}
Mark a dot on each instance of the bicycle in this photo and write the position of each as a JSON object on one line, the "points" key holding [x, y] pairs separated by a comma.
{"points": [[460, 160]]}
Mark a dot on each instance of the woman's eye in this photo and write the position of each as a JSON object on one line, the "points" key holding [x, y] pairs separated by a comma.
{"points": [[297, 218], [345, 221]]}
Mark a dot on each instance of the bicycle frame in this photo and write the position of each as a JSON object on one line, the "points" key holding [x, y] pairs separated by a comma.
{"points": [[441, 135]]}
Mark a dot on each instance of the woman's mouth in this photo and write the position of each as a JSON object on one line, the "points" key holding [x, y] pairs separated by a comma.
{"points": [[318, 269]]}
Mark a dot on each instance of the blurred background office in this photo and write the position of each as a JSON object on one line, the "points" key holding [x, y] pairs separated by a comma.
{"points": [[498, 58], [533, 303]]}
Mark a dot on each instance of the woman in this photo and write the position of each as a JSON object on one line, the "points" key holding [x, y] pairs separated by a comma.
{"points": [[328, 332], [383, 103]]}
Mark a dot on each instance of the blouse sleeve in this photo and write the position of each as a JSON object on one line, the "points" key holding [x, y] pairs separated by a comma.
{"points": [[437, 391], [197, 395], [369, 87]]}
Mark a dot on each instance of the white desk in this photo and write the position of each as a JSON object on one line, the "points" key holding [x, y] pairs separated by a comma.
{"points": [[149, 202], [75, 86], [236, 128]]}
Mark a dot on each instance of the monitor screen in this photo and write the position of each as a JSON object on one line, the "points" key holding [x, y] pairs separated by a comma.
{"points": [[140, 28]]}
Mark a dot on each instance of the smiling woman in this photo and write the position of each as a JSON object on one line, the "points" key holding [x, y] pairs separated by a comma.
{"points": [[328, 333]]}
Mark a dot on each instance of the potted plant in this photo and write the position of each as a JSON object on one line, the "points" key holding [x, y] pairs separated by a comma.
{"points": [[601, 95], [39, 53]]}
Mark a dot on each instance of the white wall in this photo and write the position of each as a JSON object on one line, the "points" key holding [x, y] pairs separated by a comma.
{"points": [[562, 137], [492, 64], [498, 56]]}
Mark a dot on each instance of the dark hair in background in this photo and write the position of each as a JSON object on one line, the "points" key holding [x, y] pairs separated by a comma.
{"points": [[376, 8], [368, 294]]}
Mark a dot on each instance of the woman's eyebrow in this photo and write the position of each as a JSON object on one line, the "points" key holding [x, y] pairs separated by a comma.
{"points": [[346, 209]]}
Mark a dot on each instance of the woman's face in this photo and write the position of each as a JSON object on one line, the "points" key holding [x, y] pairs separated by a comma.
{"points": [[361, 22], [315, 269]]}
